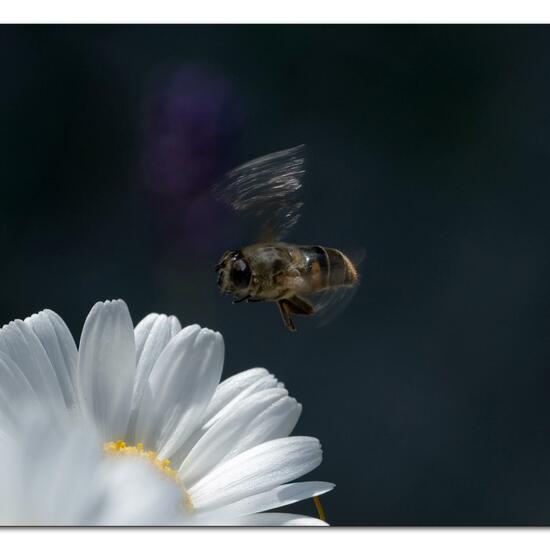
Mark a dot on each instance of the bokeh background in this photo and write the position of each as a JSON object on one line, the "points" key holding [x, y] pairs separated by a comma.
{"points": [[429, 147]]}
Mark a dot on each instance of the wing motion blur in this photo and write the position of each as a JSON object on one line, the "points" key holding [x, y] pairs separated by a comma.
{"points": [[267, 189]]}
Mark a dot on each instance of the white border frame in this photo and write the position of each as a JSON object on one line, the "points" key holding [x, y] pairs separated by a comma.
{"points": [[280, 11]]}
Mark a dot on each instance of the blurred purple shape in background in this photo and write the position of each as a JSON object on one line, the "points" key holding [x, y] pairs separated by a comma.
{"points": [[192, 123]]}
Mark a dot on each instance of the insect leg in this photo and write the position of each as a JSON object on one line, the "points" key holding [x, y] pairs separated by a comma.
{"points": [[284, 308], [300, 306]]}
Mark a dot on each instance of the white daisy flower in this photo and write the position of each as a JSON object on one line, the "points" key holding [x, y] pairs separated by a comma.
{"points": [[155, 391], [53, 474]]}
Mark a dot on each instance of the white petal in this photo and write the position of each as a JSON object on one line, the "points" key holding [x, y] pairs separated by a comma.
{"points": [[231, 387], [225, 435], [264, 382], [227, 399], [106, 368], [257, 470], [55, 474], [139, 495], [276, 421], [182, 383], [152, 335], [60, 347], [277, 497], [273, 520], [50, 466], [14, 390], [20, 343], [142, 330], [61, 494]]}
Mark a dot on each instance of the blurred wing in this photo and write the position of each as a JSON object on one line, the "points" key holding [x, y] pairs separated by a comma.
{"points": [[267, 189], [330, 303]]}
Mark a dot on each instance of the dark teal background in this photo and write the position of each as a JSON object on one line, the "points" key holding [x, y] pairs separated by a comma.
{"points": [[427, 146]]}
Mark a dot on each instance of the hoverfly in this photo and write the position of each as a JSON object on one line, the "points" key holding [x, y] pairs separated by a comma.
{"points": [[302, 280]]}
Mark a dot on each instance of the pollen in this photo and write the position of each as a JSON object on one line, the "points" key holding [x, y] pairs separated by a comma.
{"points": [[120, 449]]}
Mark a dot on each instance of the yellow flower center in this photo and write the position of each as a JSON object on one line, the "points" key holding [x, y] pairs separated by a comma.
{"points": [[119, 448]]}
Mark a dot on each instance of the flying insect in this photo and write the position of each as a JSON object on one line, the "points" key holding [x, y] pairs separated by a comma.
{"points": [[300, 279]]}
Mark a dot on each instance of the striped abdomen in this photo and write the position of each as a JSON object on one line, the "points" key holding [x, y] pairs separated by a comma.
{"points": [[326, 268]]}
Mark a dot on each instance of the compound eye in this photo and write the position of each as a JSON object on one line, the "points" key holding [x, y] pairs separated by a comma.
{"points": [[240, 274]]}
